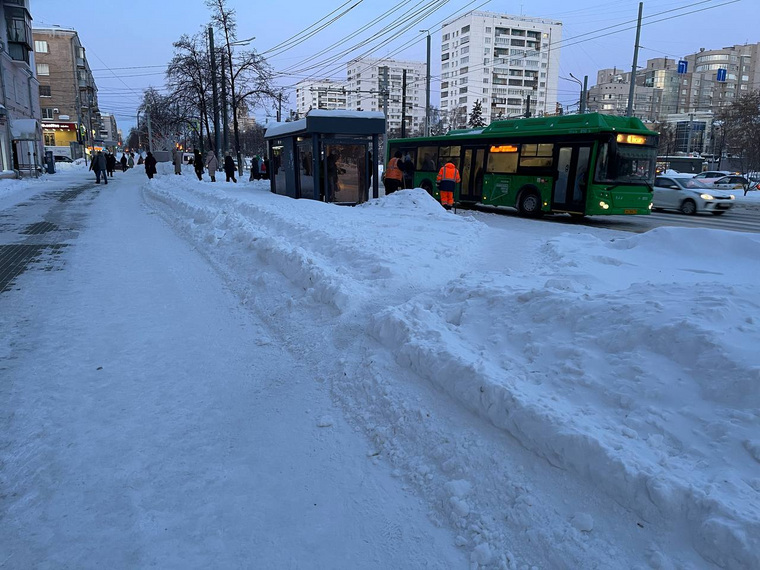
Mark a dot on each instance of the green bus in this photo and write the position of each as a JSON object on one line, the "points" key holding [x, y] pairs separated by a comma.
{"points": [[583, 165]]}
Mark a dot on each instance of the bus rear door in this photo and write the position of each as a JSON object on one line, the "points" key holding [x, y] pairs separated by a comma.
{"points": [[471, 171], [571, 182]]}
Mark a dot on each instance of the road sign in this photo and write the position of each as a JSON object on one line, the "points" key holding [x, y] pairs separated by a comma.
{"points": [[721, 75], [683, 66]]}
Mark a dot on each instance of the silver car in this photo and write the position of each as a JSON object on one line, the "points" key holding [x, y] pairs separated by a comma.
{"points": [[689, 196]]}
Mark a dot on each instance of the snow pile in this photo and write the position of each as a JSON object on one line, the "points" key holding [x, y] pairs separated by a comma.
{"points": [[628, 362]]}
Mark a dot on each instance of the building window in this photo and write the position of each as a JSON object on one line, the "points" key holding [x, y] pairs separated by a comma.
{"points": [[49, 139], [43, 69], [18, 24], [41, 46], [47, 113], [44, 90]]}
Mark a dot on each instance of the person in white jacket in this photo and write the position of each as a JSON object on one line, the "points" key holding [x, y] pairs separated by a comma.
{"points": [[212, 164]]}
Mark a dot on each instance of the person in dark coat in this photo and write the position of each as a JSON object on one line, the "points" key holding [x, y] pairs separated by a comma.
{"points": [[198, 164], [255, 175], [123, 162], [150, 165], [98, 166], [230, 168], [110, 163]]}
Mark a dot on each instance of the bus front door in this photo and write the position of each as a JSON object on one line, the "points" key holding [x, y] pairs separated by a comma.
{"points": [[571, 182], [473, 165]]}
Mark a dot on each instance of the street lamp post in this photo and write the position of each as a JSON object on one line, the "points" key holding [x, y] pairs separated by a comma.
{"points": [[584, 91]]}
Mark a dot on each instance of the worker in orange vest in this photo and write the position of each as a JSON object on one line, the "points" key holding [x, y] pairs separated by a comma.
{"points": [[393, 176], [448, 178]]}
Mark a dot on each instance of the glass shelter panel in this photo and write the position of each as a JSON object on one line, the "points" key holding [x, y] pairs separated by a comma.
{"points": [[305, 167], [346, 172]]}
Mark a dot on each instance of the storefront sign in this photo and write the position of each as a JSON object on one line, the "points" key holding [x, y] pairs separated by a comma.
{"points": [[59, 126]]}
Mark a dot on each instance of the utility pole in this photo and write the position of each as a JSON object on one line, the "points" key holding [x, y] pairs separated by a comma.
{"points": [[632, 90], [279, 106], [215, 96], [150, 132], [384, 83], [403, 105], [527, 107], [427, 89], [688, 138], [225, 124], [138, 131], [585, 94]]}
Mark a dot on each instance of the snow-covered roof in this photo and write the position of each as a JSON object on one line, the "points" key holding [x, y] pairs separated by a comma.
{"points": [[322, 120]]}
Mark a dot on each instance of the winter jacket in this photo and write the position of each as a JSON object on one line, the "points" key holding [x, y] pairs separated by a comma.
{"points": [[150, 164], [98, 162], [211, 162], [229, 164]]}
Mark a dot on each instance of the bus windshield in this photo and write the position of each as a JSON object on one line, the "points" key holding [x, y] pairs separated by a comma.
{"points": [[630, 163]]}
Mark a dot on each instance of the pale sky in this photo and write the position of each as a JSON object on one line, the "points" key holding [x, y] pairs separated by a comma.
{"points": [[138, 34]]}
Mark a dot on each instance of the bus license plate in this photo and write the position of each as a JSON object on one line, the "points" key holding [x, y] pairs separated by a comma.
{"points": [[630, 211]]}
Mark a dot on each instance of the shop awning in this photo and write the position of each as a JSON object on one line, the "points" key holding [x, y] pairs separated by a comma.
{"points": [[25, 130]]}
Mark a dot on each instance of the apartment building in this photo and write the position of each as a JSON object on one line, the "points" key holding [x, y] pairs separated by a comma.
{"points": [[323, 94], [370, 81], [611, 93], [109, 131], [20, 136], [71, 118], [503, 61]]}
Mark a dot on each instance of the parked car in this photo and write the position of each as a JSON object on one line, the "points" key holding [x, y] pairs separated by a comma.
{"points": [[62, 158], [710, 176], [689, 196], [732, 182]]}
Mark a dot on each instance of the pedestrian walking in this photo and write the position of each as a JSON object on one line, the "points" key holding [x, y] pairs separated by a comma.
{"points": [[393, 176], [131, 160], [150, 165], [177, 161], [98, 166], [212, 164], [407, 167], [255, 174], [229, 168], [198, 164], [123, 162], [110, 163], [448, 178]]}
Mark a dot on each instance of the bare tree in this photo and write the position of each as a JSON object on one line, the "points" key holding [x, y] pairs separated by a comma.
{"points": [[741, 124], [249, 76]]}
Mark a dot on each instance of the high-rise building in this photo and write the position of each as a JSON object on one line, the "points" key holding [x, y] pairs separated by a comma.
{"points": [[323, 94], [109, 132], [71, 118], [370, 82], [611, 93], [20, 136], [501, 61]]}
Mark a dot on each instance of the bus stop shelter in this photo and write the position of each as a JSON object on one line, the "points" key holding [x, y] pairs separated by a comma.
{"points": [[328, 155]]}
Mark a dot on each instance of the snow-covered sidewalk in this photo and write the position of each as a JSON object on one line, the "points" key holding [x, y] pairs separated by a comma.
{"points": [[149, 420]]}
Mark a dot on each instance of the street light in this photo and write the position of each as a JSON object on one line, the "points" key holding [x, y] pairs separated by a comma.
{"points": [[583, 85]]}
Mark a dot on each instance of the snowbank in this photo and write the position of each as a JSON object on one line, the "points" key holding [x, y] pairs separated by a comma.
{"points": [[630, 362]]}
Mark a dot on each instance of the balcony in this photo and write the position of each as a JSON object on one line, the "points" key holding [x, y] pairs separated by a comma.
{"points": [[81, 62]]}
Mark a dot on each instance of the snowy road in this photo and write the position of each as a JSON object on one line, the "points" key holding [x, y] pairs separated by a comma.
{"points": [[148, 419]]}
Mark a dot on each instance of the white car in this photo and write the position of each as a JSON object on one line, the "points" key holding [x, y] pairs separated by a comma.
{"points": [[710, 176], [733, 182], [689, 196]]}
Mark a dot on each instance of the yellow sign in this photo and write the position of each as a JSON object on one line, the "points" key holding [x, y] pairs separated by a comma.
{"points": [[504, 148], [632, 139]]}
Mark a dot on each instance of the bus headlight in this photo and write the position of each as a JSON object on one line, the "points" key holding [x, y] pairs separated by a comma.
{"points": [[706, 196], [604, 205], [650, 205]]}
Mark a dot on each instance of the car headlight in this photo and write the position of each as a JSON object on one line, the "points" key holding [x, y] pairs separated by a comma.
{"points": [[706, 196], [732, 197]]}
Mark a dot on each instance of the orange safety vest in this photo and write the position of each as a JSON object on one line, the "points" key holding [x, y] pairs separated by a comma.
{"points": [[448, 172], [393, 171]]}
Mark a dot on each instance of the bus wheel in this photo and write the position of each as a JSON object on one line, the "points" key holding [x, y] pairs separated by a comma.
{"points": [[529, 204], [689, 207], [427, 186]]}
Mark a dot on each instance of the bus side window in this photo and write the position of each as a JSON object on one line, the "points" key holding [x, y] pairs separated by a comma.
{"points": [[502, 162], [449, 154], [427, 158], [539, 155], [602, 158]]}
